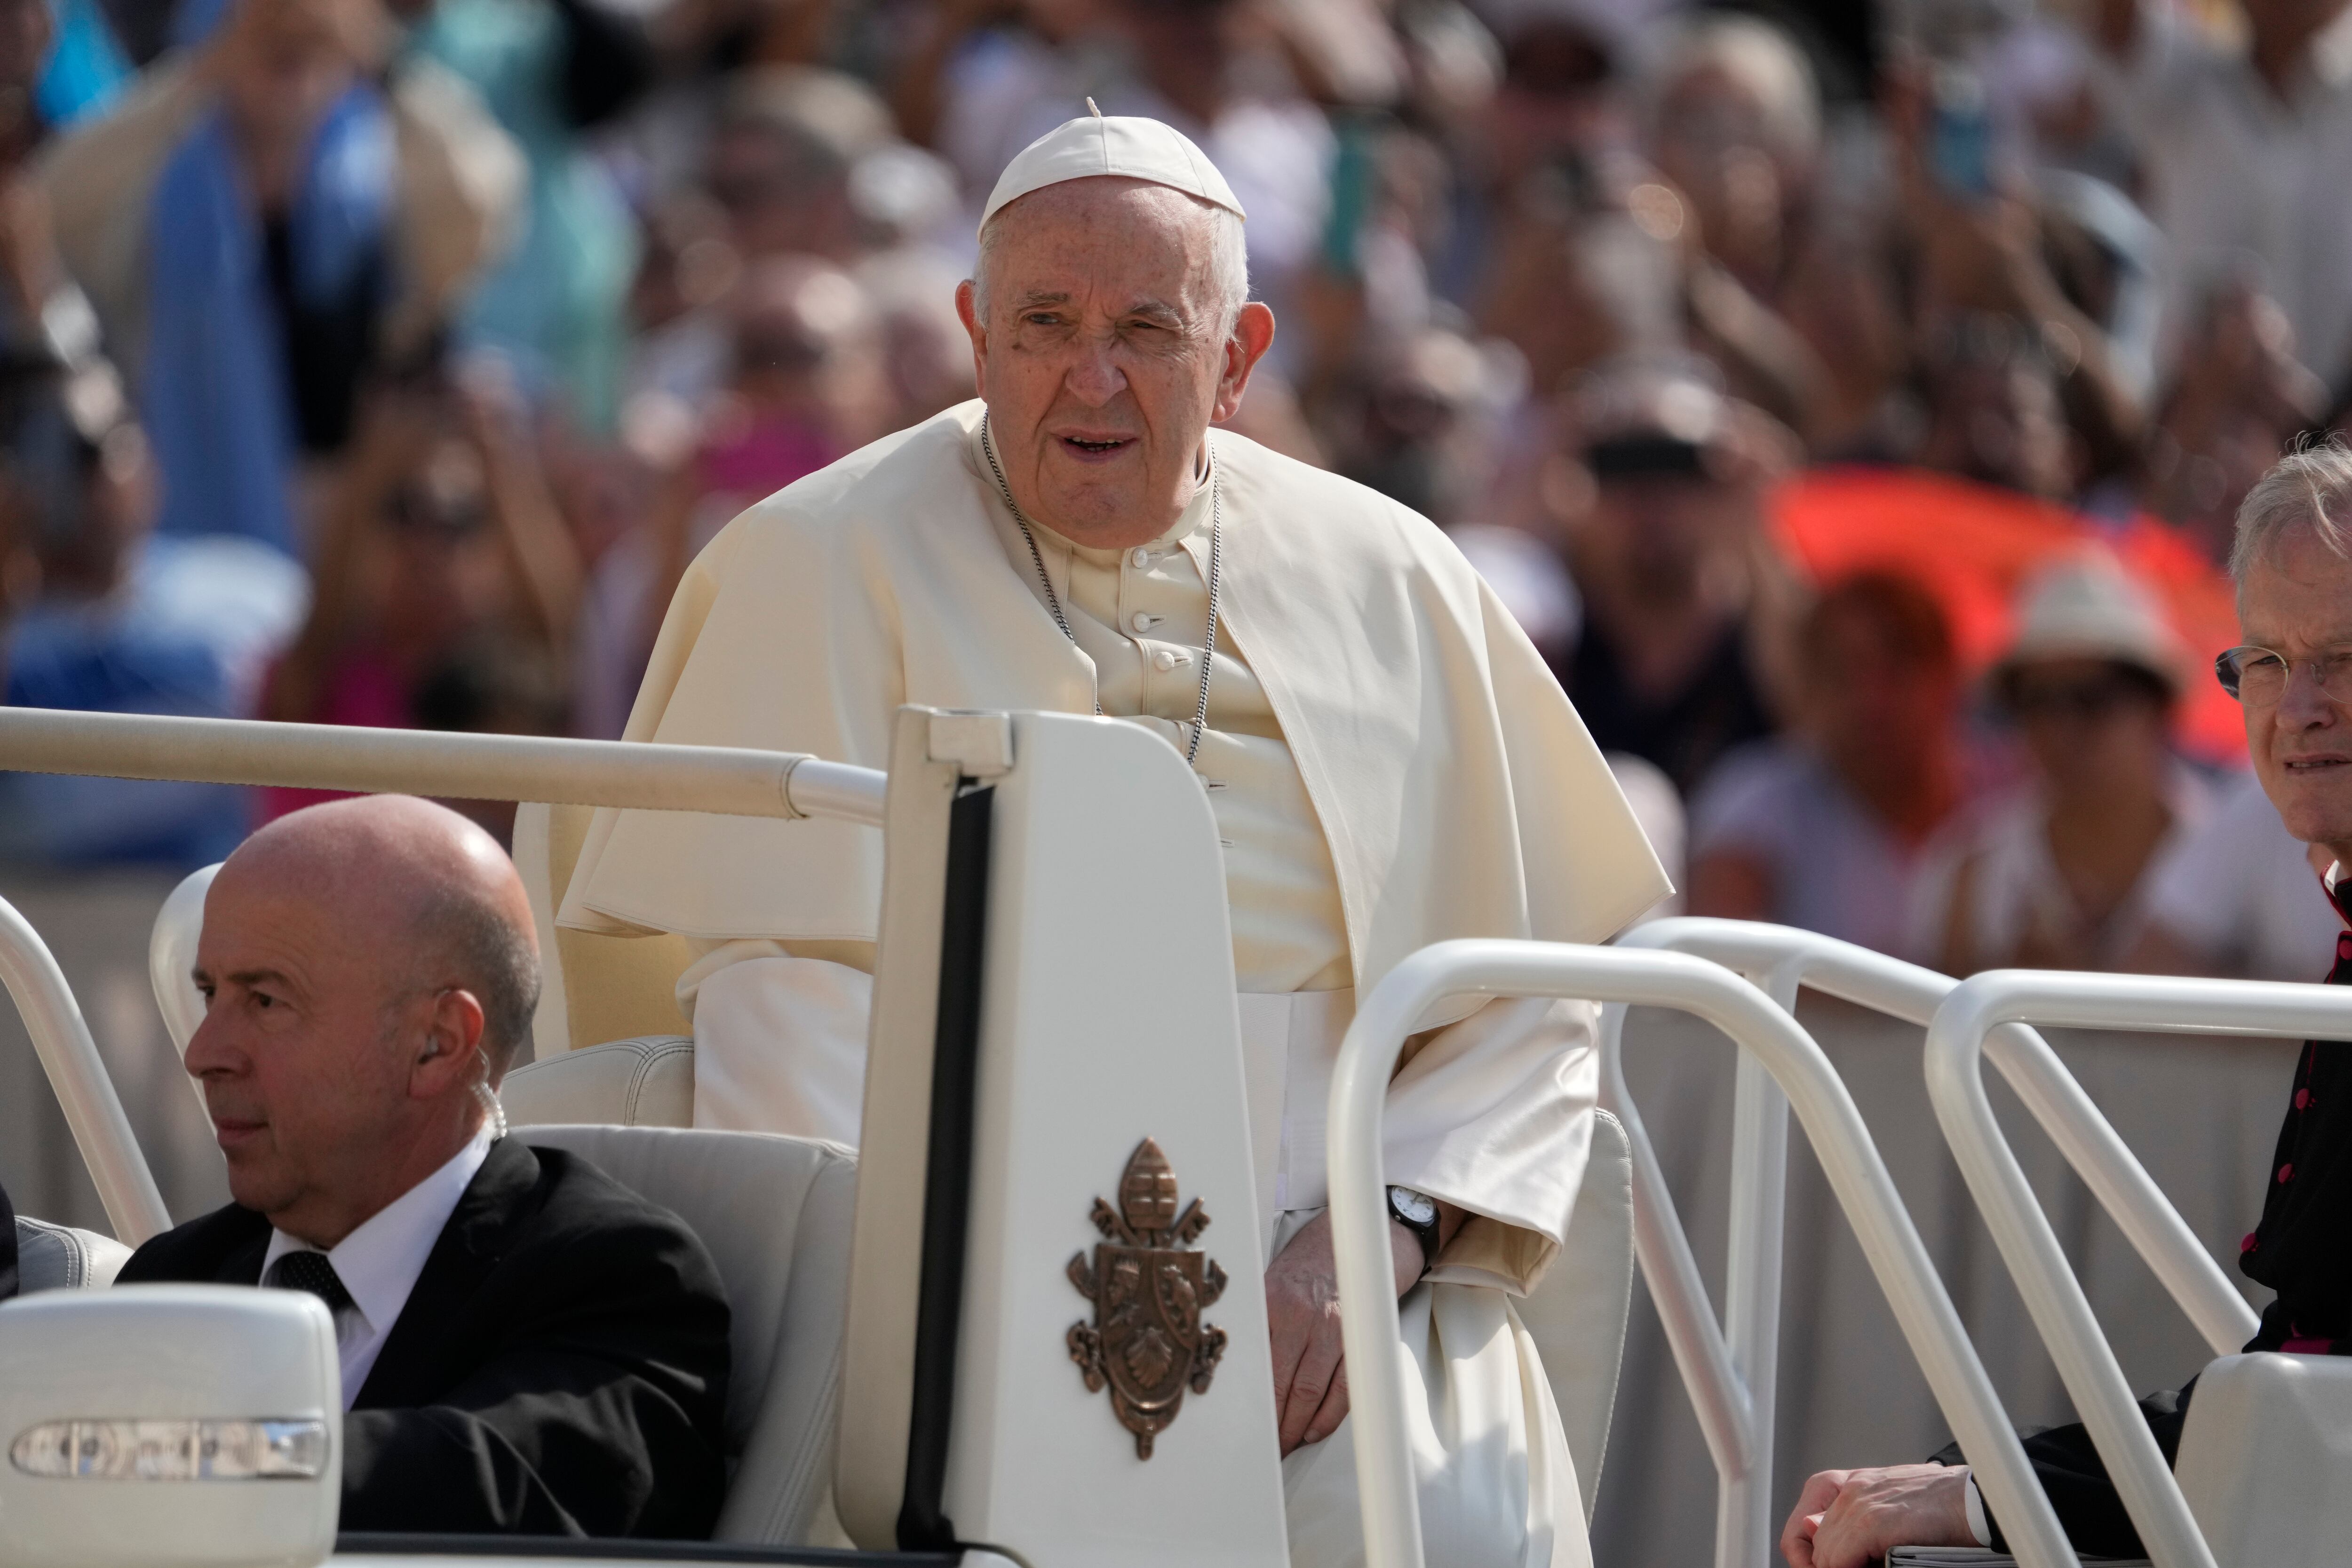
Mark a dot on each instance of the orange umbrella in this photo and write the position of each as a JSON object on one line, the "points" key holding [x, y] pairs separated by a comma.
{"points": [[1974, 546]]}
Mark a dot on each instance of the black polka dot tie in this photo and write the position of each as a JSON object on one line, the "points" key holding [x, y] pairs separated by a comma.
{"points": [[309, 1271]]}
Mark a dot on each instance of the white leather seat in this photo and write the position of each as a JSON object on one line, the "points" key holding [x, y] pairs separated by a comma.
{"points": [[1577, 1312], [645, 1082], [59, 1257], [775, 1213], [2265, 1460]]}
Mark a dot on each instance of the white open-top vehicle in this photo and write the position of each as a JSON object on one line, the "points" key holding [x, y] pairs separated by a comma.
{"points": [[917, 1366]]}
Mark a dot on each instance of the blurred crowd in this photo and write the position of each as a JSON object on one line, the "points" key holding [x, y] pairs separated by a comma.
{"points": [[1850, 399]]}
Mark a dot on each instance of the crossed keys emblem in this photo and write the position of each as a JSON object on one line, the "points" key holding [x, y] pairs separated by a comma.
{"points": [[1149, 1287]]}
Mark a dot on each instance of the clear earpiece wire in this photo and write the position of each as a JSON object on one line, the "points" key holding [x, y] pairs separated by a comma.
{"points": [[489, 1099]]}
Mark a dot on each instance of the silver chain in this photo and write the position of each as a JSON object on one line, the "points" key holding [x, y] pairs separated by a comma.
{"points": [[1054, 600]]}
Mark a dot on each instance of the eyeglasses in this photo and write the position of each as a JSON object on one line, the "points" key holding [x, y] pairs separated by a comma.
{"points": [[2259, 675]]}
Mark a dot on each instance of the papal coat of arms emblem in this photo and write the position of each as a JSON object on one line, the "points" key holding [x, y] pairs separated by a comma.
{"points": [[1149, 1287]]}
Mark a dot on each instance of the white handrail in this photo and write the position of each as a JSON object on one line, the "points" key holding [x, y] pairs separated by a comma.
{"points": [[2050, 1093], [93, 1111], [727, 780], [1857, 1175], [1958, 1038]]}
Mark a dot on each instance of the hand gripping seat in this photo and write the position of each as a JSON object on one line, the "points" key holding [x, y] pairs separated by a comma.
{"points": [[1576, 1314], [58, 1258], [775, 1213]]}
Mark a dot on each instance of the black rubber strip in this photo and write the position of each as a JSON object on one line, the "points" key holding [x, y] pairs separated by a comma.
{"points": [[372, 1543], [923, 1524]]}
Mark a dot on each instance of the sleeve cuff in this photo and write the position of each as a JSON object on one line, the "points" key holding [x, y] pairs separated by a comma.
{"points": [[1978, 1525]]}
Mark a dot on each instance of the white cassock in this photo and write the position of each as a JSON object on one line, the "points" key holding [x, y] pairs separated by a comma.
{"points": [[1390, 762]]}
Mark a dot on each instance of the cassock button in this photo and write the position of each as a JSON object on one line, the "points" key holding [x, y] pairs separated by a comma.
{"points": [[1164, 660], [2286, 1174], [1142, 622], [1138, 558]]}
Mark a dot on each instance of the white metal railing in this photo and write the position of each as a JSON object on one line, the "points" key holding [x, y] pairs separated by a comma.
{"points": [[1731, 1370], [726, 780], [1980, 1019], [722, 780], [93, 1111], [1393, 1011]]}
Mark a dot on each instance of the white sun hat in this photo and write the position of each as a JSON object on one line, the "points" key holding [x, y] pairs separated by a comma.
{"points": [[2090, 607], [1122, 146]]}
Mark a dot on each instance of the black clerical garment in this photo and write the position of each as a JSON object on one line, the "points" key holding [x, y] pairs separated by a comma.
{"points": [[2299, 1249], [8, 1248], [559, 1368]]}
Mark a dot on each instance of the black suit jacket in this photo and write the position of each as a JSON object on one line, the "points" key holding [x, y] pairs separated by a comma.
{"points": [[560, 1369]]}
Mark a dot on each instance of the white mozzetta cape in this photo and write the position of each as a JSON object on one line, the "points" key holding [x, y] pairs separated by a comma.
{"points": [[1459, 791]]}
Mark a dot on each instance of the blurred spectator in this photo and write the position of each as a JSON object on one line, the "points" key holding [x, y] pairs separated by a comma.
{"points": [[552, 70], [446, 583], [780, 161], [1823, 827], [1735, 125], [1427, 422], [2054, 874], [113, 619], [806, 383], [2244, 145], [2238, 399], [2237, 895], [1680, 587], [1993, 411], [259, 225]]}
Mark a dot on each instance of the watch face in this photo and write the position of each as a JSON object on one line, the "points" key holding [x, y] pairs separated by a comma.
{"points": [[1413, 1208]]}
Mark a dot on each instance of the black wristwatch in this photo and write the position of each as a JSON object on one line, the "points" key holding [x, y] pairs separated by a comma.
{"points": [[1417, 1212]]}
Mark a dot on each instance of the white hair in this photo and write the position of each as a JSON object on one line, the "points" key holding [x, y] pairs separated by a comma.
{"points": [[2311, 485], [1761, 57], [1228, 262]]}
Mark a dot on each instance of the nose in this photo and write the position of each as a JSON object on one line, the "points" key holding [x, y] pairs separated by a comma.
{"points": [[1095, 378], [209, 1049], [2302, 705]]}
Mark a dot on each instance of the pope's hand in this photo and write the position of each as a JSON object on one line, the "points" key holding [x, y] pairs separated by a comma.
{"points": [[1846, 1519], [1302, 1309]]}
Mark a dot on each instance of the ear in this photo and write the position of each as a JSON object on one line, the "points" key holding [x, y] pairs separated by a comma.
{"points": [[448, 1050], [1252, 334], [967, 295]]}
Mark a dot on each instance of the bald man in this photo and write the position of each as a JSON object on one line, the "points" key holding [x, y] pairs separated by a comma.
{"points": [[527, 1347]]}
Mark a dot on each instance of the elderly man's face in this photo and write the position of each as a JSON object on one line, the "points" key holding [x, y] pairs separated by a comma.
{"points": [[302, 1069], [1102, 360], [2298, 601], [343, 1037]]}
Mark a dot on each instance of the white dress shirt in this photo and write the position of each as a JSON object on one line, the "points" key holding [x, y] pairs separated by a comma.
{"points": [[379, 1262]]}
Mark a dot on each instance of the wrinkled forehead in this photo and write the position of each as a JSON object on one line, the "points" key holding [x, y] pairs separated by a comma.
{"points": [[2296, 591], [1105, 236]]}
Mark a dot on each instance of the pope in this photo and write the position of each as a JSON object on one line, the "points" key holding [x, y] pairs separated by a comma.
{"points": [[1389, 761]]}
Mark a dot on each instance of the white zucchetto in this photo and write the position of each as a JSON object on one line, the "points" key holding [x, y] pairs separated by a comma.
{"points": [[1124, 146]]}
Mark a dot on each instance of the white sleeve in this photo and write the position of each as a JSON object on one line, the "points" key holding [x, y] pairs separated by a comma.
{"points": [[1978, 1526], [779, 1041]]}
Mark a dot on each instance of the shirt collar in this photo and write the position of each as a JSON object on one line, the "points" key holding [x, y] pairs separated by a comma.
{"points": [[379, 1262]]}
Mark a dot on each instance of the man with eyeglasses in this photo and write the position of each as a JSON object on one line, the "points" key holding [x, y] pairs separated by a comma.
{"points": [[2293, 563]]}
